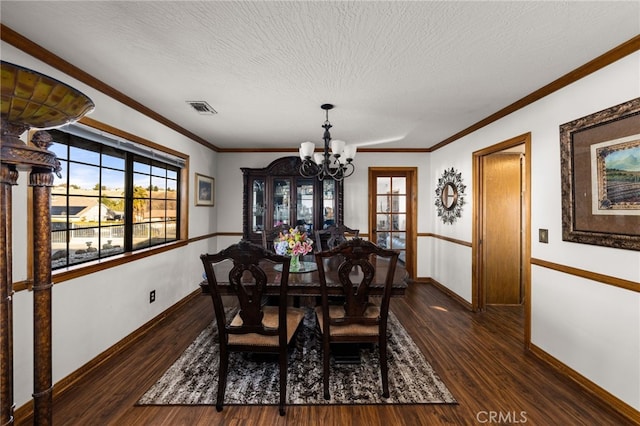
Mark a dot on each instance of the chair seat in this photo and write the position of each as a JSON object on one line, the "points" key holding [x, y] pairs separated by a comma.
{"points": [[336, 312], [270, 320]]}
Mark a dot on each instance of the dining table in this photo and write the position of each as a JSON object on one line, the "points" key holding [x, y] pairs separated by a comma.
{"points": [[306, 282]]}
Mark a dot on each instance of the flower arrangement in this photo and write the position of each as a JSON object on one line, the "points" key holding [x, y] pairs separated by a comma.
{"points": [[293, 243]]}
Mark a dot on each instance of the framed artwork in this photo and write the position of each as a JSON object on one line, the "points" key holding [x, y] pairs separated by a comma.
{"points": [[600, 159], [205, 190]]}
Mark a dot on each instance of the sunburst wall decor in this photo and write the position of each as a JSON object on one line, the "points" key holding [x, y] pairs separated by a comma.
{"points": [[450, 196]]}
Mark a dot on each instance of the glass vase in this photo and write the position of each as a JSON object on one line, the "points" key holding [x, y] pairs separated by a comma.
{"points": [[295, 263]]}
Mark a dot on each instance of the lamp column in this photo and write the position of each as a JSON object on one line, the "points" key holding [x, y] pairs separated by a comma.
{"points": [[8, 177], [41, 163], [41, 180]]}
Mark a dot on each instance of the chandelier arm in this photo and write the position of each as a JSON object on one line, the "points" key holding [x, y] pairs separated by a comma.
{"points": [[334, 168], [309, 169], [338, 176], [348, 169]]}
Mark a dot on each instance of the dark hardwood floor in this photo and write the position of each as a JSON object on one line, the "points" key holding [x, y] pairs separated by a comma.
{"points": [[479, 356]]}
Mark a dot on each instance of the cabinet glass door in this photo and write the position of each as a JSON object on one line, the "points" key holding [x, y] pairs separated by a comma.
{"points": [[258, 207], [304, 203], [328, 203], [281, 200]]}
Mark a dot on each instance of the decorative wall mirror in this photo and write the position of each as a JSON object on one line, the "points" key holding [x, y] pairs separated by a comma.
{"points": [[450, 196]]}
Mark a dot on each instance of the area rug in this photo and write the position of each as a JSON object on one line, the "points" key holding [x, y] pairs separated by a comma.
{"points": [[193, 378]]}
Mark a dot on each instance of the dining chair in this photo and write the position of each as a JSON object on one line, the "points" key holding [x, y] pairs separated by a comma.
{"points": [[330, 237], [255, 327], [358, 319], [334, 235]]}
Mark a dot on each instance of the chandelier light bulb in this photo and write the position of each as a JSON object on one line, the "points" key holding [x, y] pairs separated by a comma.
{"points": [[337, 146], [349, 152], [306, 149]]}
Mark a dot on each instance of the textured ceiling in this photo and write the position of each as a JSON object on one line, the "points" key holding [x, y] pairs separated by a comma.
{"points": [[401, 74]]}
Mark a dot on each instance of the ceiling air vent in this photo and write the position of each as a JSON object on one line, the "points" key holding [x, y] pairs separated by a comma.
{"points": [[202, 107]]}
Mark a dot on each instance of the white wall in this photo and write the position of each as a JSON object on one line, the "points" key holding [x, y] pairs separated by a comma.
{"points": [[449, 263], [94, 312], [591, 327]]}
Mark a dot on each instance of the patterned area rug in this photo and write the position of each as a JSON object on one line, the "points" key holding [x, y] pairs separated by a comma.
{"points": [[192, 379]]}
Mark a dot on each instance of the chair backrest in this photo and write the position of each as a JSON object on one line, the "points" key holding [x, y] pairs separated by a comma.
{"points": [[334, 235], [248, 281], [357, 253]]}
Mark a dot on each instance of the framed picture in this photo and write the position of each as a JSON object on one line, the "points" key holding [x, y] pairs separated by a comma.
{"points": [[205, 190], [600, 159]]}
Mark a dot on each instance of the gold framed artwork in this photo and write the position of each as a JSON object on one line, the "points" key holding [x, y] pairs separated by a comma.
{"points": [[205, 190], [600, 160]]}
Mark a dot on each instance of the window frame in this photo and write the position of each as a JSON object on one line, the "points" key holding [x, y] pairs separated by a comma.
{"points": [[80, 269]]}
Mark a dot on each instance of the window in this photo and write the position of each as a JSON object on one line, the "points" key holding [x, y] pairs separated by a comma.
{"points": [[110, 200], [391, 212]]}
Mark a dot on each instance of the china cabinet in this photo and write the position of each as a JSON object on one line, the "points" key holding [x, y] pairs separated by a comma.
{"points": [[277, 194]]}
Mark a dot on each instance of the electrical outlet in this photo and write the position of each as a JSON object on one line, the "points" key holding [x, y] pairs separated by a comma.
{"points": [[152, 296]]}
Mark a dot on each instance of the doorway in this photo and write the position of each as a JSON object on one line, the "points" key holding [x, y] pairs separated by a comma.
{"points": [[392, 211], [501, 234]]}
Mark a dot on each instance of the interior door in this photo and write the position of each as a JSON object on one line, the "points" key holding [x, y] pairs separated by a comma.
{"points": [[392, 211], [502, 228]]}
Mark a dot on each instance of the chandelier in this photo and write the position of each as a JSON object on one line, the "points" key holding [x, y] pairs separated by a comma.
{"points": [[336, 165]]}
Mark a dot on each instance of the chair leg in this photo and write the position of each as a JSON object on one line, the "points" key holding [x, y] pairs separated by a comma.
{"points": [[326, 357], [384, 368], [318, 336], [283, 379], [299, 340], [222, 377]]}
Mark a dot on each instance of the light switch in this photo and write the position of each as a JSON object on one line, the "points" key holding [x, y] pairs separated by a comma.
{"points": [[543, 235]]}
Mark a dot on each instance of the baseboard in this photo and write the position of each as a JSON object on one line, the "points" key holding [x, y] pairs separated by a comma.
{"points": [[620, 406], [24, 412], [446, 291]]}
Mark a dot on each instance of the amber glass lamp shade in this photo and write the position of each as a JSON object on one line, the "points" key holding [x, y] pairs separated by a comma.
{"points": [[31, 99]]}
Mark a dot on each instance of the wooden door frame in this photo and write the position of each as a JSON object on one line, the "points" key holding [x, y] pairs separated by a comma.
{"points": [[477, 266], [411, 174]]}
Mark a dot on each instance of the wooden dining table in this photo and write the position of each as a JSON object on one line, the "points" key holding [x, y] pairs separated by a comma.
{"points": [[306, 281]]}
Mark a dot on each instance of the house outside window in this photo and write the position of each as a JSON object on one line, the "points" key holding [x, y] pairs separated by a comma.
{"points": [[110, 201]]}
